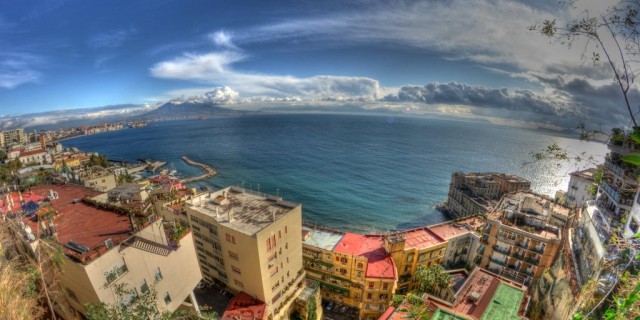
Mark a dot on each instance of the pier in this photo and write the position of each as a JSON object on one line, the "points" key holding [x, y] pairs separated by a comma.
{"points": [[209, 171]]}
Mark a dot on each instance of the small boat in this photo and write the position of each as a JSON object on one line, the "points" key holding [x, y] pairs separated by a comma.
{"points": [[204, 188]]}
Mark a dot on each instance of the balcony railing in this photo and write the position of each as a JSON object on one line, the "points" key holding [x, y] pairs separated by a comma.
{"points": [[498, 261], [523, 245], [501, 249], [518, 255], [532, 260], [539, 249]]}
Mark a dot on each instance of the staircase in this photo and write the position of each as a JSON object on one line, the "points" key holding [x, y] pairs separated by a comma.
{"points": [[148, 246]]}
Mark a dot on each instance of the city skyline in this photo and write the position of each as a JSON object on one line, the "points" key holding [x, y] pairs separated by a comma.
{"points": [[433, 57]]}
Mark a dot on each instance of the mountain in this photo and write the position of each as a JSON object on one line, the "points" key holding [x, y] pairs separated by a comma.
{"points": [[189, 109]]}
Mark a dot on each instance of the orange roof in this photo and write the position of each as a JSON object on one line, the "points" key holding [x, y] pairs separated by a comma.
{"points": [[244, 306], [379, 265], [421, 238], [448, 230], [32, 152], [80, 222]]}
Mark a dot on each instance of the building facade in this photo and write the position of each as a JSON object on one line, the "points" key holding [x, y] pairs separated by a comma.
{"points": [[251, 243], [579, 190], [522, 236]]}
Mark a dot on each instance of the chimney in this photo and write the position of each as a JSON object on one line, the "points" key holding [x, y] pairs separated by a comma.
{"points": [[273, 216]]}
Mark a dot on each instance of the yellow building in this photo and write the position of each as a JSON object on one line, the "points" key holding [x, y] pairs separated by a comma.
{"points": [[103, 249], [354, 271], [250, 242], [411, 249]]}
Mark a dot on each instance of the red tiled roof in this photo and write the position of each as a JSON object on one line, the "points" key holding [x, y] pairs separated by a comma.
{"points": [[244, 306], [80, 222], [421, 238], [380, 264], [387, 314], [32, 152]]}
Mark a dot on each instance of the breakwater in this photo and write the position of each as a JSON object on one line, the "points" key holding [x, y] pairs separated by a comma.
{"points": [[208, 170]]}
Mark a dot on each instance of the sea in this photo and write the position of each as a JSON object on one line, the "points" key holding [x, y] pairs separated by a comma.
{"points": [[358, 173]]}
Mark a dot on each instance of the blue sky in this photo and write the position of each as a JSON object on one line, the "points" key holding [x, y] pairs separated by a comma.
{"points": [[446, 57]]}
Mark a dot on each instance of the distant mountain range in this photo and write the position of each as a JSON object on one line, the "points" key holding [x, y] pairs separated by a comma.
{"points": [[178, 110]]}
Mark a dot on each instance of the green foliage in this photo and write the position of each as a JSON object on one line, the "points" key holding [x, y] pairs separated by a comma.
{"points": [[178, 232], [312, 312], [396, 300], [432, 279], [98, 160], [131, 305]]}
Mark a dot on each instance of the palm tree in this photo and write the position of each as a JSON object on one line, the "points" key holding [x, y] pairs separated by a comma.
{"points": [[432, 279]]}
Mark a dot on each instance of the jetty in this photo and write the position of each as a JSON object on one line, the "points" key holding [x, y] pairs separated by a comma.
{"points": [[209, 171]]}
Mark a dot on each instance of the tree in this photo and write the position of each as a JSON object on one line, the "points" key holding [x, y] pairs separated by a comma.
{"points": [[432, 279], [131, 305]]}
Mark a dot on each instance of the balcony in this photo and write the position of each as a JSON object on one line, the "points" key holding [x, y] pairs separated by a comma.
{"points": [[501, 250], [522, 245], [518, 255], [498, 261], [506, 240], [532, 260], [539, 249]]}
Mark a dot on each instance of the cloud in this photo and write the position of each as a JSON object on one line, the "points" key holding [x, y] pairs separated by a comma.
{"points": [[216, 67], [111, 39], [219, 95], [79, 116], [17, 68], [222, 40], [550, 109]]}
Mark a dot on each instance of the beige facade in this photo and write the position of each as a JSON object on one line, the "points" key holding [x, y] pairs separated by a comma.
{"points": [[522, 236], [103, 249], [14, 136], [250, 242], [102, 181], [172, 273]]}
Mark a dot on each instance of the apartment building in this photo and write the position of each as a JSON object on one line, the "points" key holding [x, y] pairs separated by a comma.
{"points": [[478, 192], [353, 270], [101, 180], [103, 249], [250, 242], [16, 136], [462, 241], [578, 191], [619, 185], [412, 248], [522, 236]]}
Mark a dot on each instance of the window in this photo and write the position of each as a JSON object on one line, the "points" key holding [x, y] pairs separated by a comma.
{"points": [[279, 234], [385, 286], [230, 238], [158, 275], [410, 258], [369, 296], [167, 298], [72, 295], [236, 270], [238, 283], [116, 271], [370, 285], [217, 247], [285, 229], [360, 265], [144, 288], [127, 298], [343, 260], [233, 255]]}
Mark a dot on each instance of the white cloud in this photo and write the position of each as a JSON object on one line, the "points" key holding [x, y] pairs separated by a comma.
{"points": [[17, 68], [111, 39], [216, 67]]}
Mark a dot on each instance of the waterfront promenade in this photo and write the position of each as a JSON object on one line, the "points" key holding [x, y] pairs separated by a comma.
{"points": [[209, 171]]}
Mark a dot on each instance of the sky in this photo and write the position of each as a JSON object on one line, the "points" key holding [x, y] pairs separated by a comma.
{"points": [[434, 57]]}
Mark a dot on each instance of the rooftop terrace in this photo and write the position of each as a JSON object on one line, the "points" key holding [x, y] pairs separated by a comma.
{"points": [[449, 230], [321, 238], [531, 213], [379, 262], [421, 238], [242, 210]]}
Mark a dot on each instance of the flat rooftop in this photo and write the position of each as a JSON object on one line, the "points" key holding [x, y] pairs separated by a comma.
{"points": [[380, 264], [420, 238], [241, 210], [532, 213], [587, 174], [321, 238], [449, 230], [244, 307], [488, 296]]}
